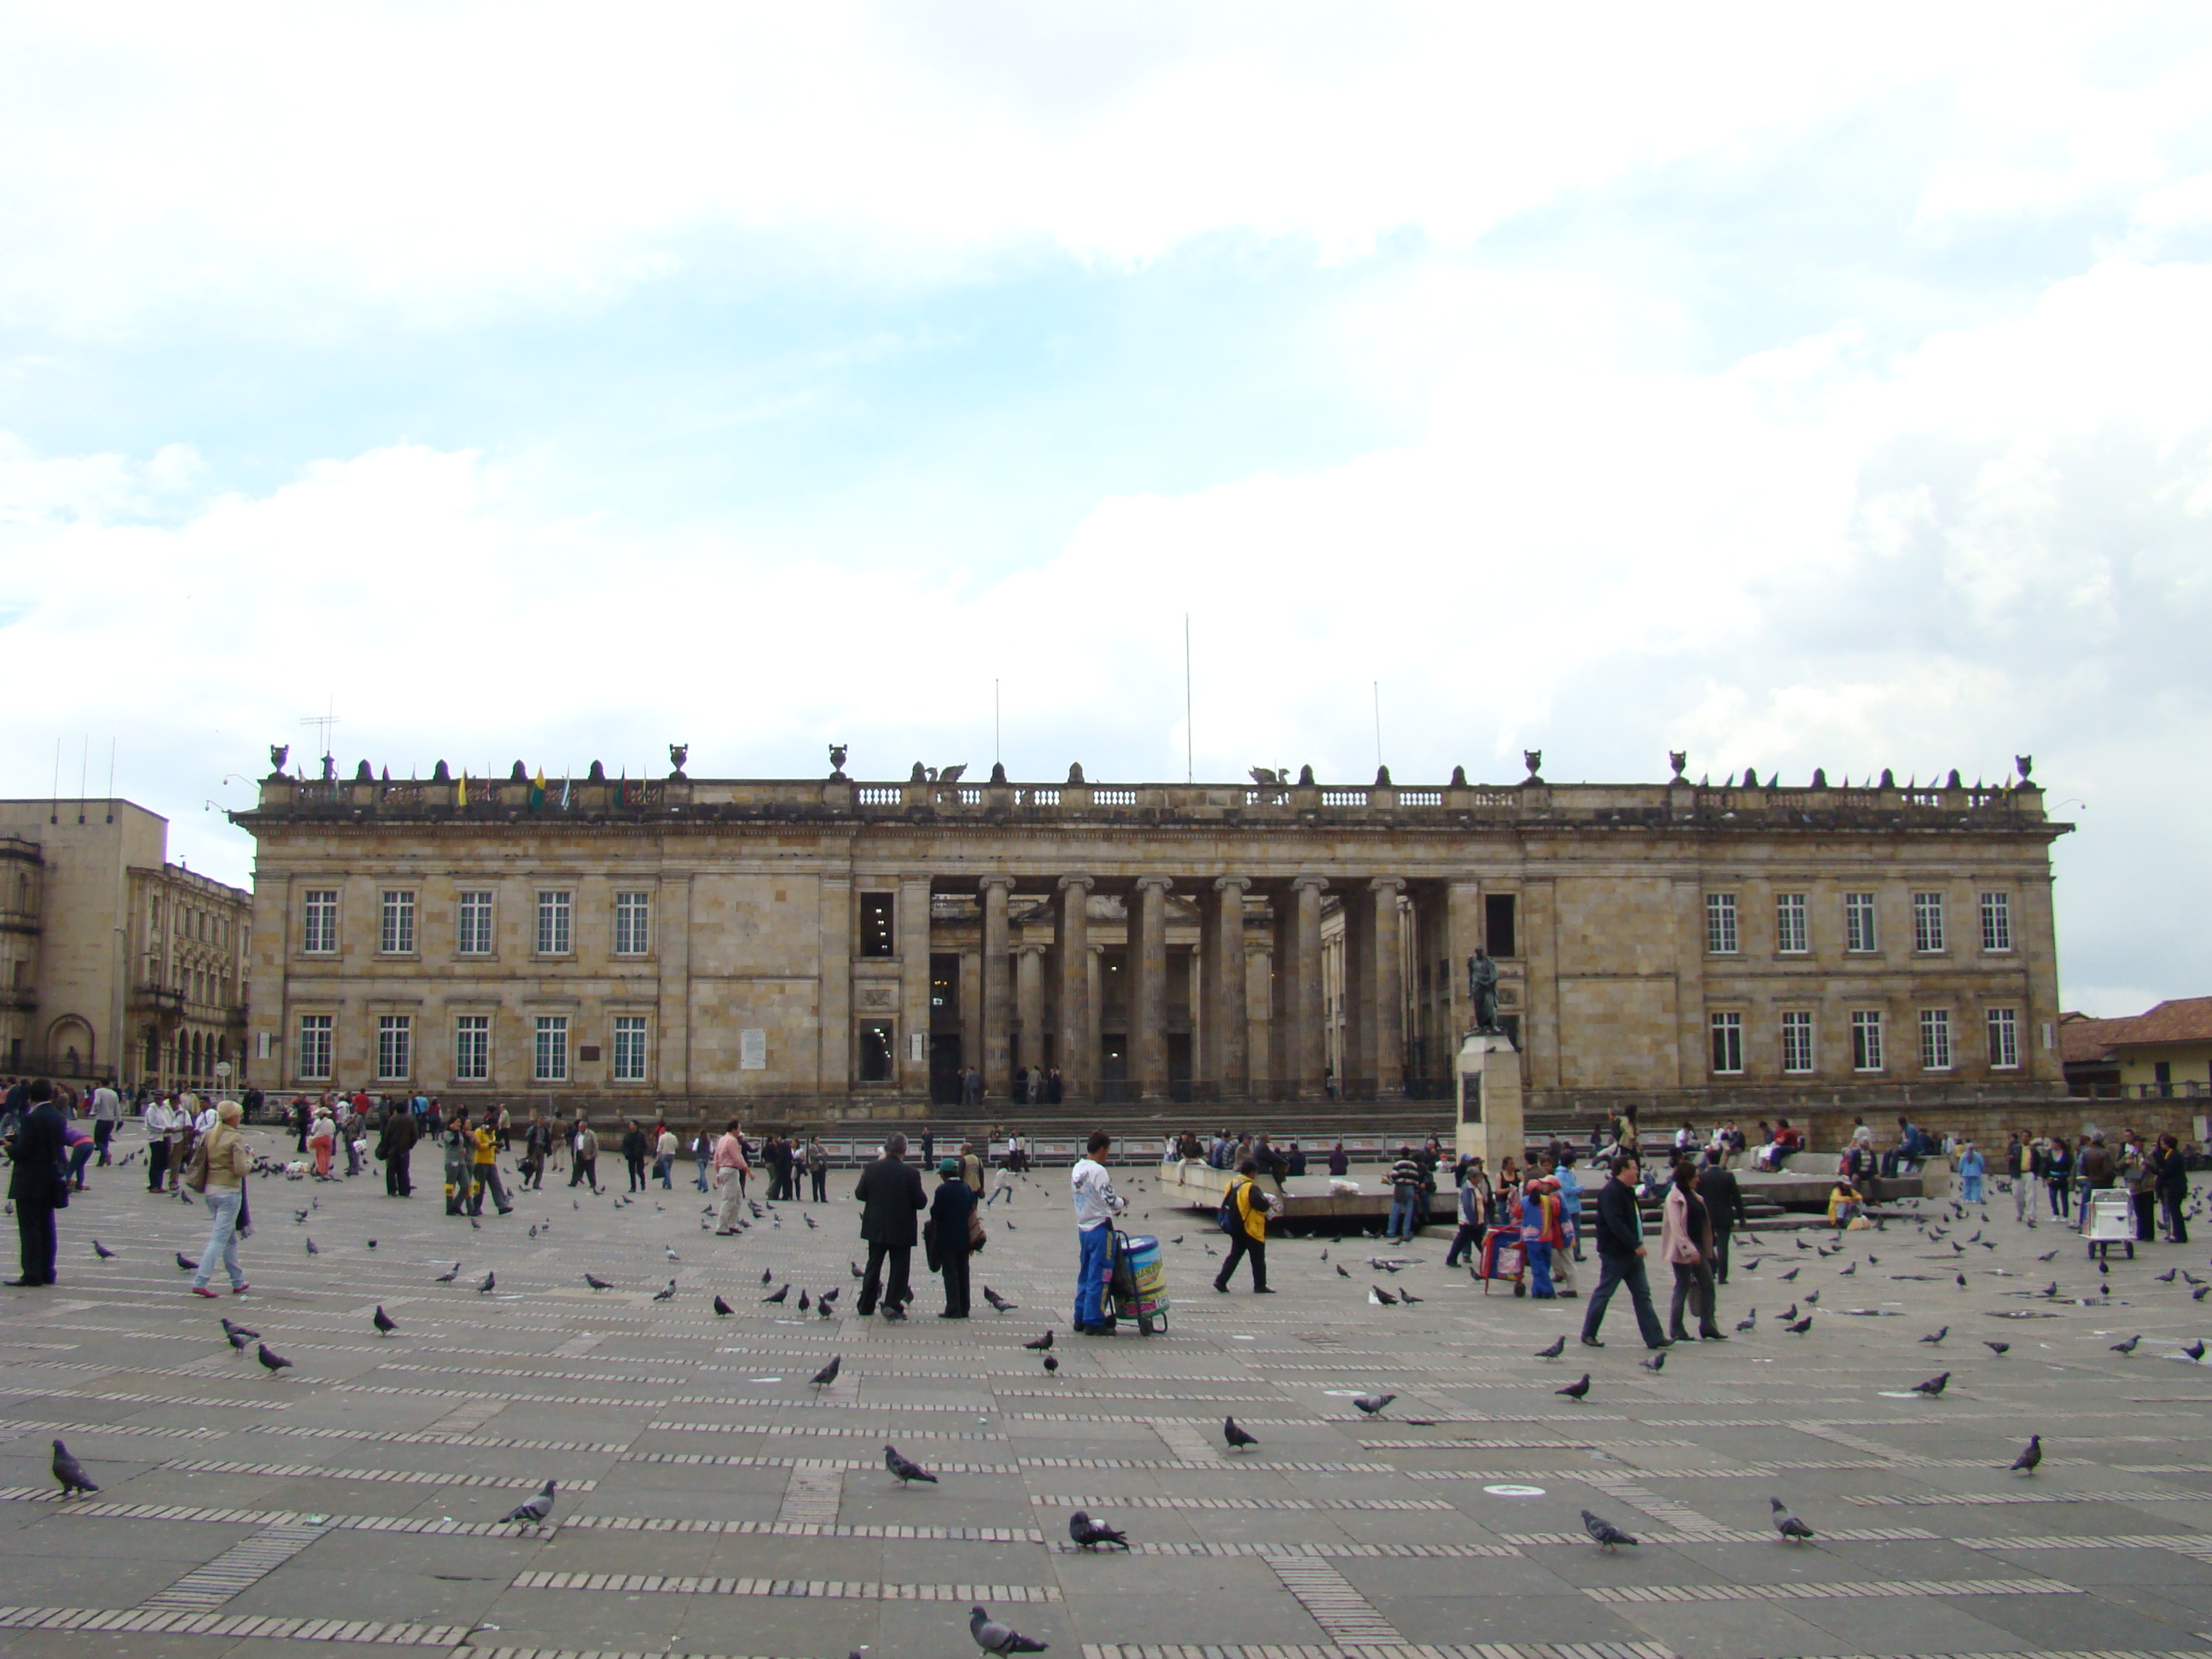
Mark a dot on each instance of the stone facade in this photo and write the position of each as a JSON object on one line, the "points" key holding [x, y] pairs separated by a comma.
{"points": [[115, 965], [837, 948]]}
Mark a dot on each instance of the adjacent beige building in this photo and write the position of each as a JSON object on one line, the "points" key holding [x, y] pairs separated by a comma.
{"points": [[835, 947], [116, 966]]}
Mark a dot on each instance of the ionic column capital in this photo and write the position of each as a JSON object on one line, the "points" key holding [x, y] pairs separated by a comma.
{"points": [[1386, 884], [1223, 884], [1164, 883], [1318, 883], [1069, 883], [985, 883]]}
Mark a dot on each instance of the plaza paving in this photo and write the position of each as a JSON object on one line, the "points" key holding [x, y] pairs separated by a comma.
{"points": [[713, 1503]]}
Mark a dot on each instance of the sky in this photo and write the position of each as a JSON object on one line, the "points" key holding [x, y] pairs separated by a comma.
{"points": [[531, 382]]}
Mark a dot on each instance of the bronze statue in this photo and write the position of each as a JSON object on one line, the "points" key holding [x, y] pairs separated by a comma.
{"points": [[1482, 988]]}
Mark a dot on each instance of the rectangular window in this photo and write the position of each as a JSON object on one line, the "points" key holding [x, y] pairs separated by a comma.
{"points": [[1996, 921], [630, 1048], [1926, 921], [2004, 1039], [553, 918], [472, 1049], [1935, 1039], [1720, 924], [395, 936], [1727, 1043], [1498, 918], [475, 922], [875, 1051], [549, 1058], [877, 938], [1866, 1040], [1797, 1043], [633, 924], [1791, 936], [315, 1048], [320, 933], [395, 1046], [1858, 926]]}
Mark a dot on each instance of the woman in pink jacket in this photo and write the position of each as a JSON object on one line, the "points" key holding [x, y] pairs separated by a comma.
{"points": [[1686, 1239]]}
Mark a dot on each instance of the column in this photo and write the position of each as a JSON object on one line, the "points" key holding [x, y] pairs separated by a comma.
{"points": [[1077, 1052], [912, 920], [998, 997], [1223, 1071], [1462, 935], [1148, 998], [1373, 994], [1029, 1002], [838, 1064], [1297, 995]]}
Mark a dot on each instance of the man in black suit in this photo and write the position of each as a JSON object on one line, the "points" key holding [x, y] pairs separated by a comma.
{"points": [[1620, 1256], [36, 1150], [891, 1197], [1724, 1207]]}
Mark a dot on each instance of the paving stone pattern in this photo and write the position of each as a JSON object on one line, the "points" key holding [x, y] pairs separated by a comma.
{"points": [[713, 1503]]}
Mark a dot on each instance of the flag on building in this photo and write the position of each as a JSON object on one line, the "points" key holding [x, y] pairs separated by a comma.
{"points": [[461, 791], [537, 790]]}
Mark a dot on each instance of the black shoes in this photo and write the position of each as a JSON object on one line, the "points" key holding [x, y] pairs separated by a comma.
{"points": [[1592, 1342]]}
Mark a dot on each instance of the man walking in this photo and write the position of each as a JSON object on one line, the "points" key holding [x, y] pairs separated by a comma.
{"points": [[587, 1154], [158, 1112], [484, 1142], [1724, 1199], [1097, 1204], [1405, 1196], [1249, 1237], [33, 1183], [890, 1195], [729, 1172], [397, 1147], [1621, 1255], [107, 1113], [2020, 1166]]}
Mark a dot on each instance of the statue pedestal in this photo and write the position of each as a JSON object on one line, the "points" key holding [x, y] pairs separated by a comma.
{"points": [[1490, 1120]]}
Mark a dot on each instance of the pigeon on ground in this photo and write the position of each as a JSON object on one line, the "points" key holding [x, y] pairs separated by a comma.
{"points": [[383, 1323], [2046, 1256], [666, 1293], [1089, 1535], [1371, 1404], [532, 1510], [857, 1274], [1933, 1386], [1791, 1274], [490, 1281], [1801, 1327], [533, 1230], [998, 1302], [2128, 1346], [828, 1374], [1938, 1337], [234, 1332], [2197, 1295], [597, 1283], [904, 1468], [1379, 1297], [1749, 1321], [723, 1308], [1849, 1270], [447, 1278], [1340, 1273], [71, 1472], [1657, 1362], [1409, 1298], [1997, 1347], [1873, 1261], [1812, 1298], [1603, 1531], [185, 1264], [237, 1338], [1051, 1363], [768, 1276], [1556, 1348], [2194, 1350], [1791, 1528], [993, 1636], [311, 1250], [669, 1251], [271, 1363], [2031, 1454], [101, 1251], [782, 1293], [1576, 1390], [1236, 1438], [803, 1303], [1040, 1343]]}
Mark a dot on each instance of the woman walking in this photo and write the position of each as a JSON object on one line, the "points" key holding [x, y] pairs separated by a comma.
{"points": [[2058, 1176], [322, 1141], [2170, 1179], [1473, 1213], [1686, 1239], [217, 1173], [950, 1211]]}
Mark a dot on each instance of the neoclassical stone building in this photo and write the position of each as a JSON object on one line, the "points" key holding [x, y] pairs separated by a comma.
{"points": [[836, 948]]}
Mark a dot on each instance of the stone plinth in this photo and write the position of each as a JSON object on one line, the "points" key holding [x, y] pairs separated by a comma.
{"points": [[1489, 1099]]}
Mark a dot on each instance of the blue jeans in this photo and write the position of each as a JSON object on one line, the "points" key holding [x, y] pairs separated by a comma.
{"points": [[223, 1203], [1401, 1218], [702, 1172], [1970, 1189], [1090, 1275], [1539, 1254]]}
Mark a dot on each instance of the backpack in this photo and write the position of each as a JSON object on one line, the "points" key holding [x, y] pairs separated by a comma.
{"points": [[1226, 1218]]}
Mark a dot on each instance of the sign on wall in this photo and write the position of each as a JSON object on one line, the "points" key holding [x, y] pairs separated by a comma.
{"points": [[752, 1050]]}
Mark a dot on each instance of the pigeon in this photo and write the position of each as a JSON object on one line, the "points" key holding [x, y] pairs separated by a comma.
{"points": [[905, 1469], [823, 1307], [447, 1278], [998, 1302], [1933, 1386], [372, 1243], [804, 1304], [490, 1280], [597, 1283], [768, 1276], [1873, 1261], [1801, 1327], [104, 1252], [1849, 1270], [857, 1274], [1340, 1273], [1557, 1346], [271, 1363], [71, 1472], [2104, 1267], [1409, 1298], [782, 1293], [2046, 1256], [2128, 1346], [2194, 1350], [238, 1338], [1051, 1363], [666, 1293], [1812, 1298], [2051, 1289], [993, 1636], [1372, 1404], [383, 1323], [1177, 1239], [670, 1253], [1791, 1528], [236, 1331], [311, 1250], [1236, 1438], [1576, 1390], [723, 1308], [532, 1510], [185, 1264], [1749, 1321], [1324, 1254], [1089, 1535], [1603, 1531], [2167, 1277], [1962, 1281], [2197, 1295], [1791, 1274], [2030, 1455], [1040, 1343], [828, 1374], [1656, 1363], [1938, 1336], [1997, 1347], [1379, 1297], [533, 1230]]}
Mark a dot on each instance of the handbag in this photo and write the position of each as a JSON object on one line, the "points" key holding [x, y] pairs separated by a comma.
{"points": [[977, 1237], [196, 1172]]}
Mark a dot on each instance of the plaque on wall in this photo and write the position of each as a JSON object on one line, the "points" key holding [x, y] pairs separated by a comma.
{"points": [[589, 1051], [752, 1050], [878, 996]]}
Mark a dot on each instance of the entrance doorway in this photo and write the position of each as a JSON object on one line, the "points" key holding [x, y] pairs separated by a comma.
{"points": [[945, 1067]]}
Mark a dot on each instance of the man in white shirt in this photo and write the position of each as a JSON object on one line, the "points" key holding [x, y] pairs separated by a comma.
{"points": [[1097, 1204], [159, 1115], [107, 1113]]}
